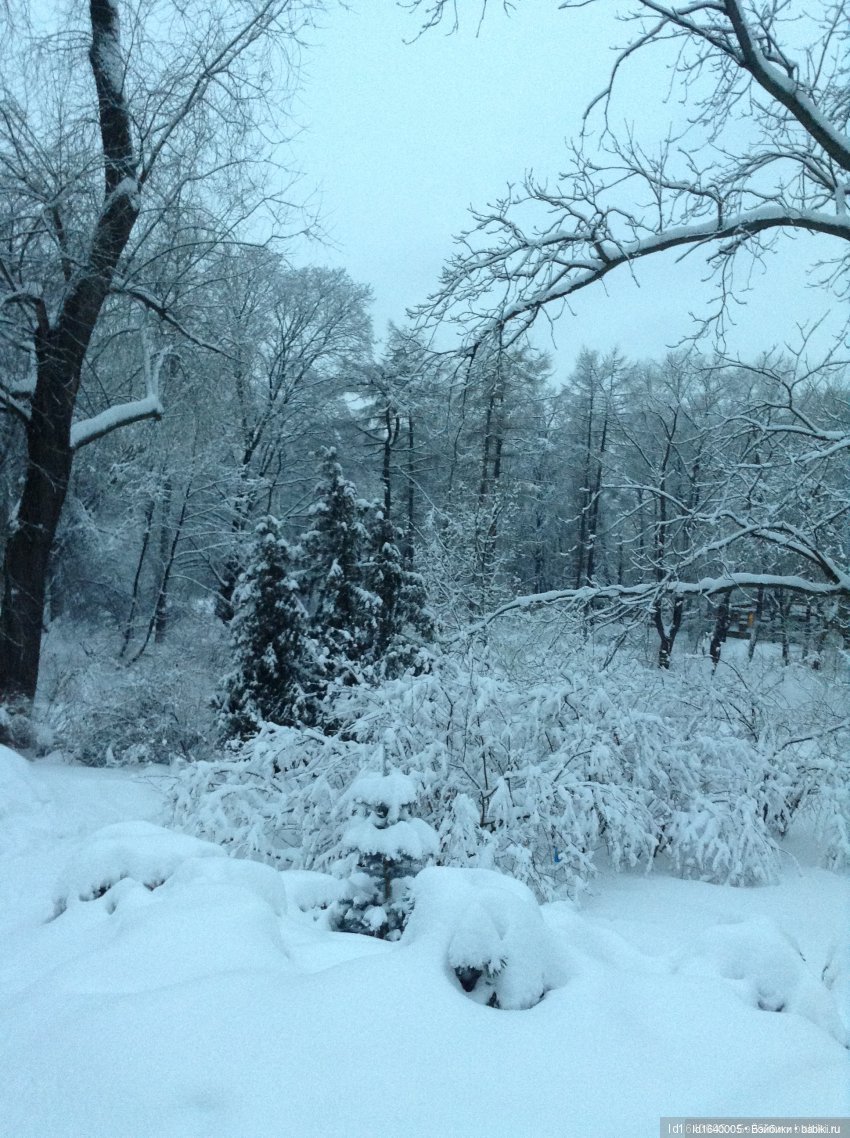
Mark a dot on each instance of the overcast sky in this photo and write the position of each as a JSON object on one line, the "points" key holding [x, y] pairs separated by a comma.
{"points": [[403, 136]]}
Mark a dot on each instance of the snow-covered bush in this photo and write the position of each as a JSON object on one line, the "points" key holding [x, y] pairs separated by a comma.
{"points": [[387, 846], [601, 763], [488, 930], [768, 969], [121, 863], [138, 851], [17, 728]]}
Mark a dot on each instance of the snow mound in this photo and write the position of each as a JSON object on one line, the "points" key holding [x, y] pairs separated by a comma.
{"points": [[212, 916], [770, 970], [309, 890], [262, 881], [140, 851], [488, 929], [18, 794], [24, 808]]}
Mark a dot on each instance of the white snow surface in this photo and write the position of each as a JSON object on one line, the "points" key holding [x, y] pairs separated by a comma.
{"points": [[393, 790], [187, 999], [411, 837]]}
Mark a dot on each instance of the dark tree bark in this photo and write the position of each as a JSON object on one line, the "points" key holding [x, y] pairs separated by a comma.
{"points": [[60, 349], [721, 628], [755, 622], [667, 633], [129, 627]]}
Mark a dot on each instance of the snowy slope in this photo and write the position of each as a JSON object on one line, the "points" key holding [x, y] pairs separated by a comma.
{"points": [[179, 993]]}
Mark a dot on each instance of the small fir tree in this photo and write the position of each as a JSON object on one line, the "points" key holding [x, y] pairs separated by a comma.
{"points": [[389, 847], [273, 673]]}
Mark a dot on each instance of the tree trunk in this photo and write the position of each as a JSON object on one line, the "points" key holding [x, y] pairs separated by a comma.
{"points": [[60, 349], [784, 607], [130, 626], [166, 554], [28, 550], [721, 627], [667, 636], [756, 621]]}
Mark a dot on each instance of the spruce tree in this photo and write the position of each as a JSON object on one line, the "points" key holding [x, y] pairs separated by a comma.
{"points": [[404, 625], [343, 612], [390, 847], [273, 672]]}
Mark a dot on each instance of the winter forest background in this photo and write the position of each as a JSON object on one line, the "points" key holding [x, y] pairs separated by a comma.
{"points": [[427, 595]]}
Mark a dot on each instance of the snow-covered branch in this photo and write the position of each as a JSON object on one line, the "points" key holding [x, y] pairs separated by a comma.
{"points": [[618, 203], [645, 594], [123, 414]]}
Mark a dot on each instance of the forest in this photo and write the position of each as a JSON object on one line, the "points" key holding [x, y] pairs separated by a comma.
{"points": [[430, 633]]}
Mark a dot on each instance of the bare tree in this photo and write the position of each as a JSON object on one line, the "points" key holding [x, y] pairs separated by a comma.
{"points": [[160, 118], [753, 481], [723, 190], [765, 149]]}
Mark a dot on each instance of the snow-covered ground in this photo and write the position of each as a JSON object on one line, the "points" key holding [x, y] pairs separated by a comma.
{"points": [[151, 987]]}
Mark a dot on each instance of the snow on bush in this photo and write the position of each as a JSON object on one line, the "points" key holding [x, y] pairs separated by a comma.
{"points": [[138, 851], [310, 891], [769, 970], [488, 930], [544, 780], [245, 803], [252, 877]]}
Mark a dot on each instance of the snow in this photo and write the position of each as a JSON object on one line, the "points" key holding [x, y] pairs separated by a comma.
{"points": [[393, 790], [410, 837], [120, 415], [479, 920], [194, 998], [141, 851]]}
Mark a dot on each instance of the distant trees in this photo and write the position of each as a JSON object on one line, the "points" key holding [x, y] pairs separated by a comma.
{"points": [[338, 609], [764, 149], [161, 142]]}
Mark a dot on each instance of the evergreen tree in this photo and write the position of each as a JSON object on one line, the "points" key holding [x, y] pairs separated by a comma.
{"points": [[274, 673], [389, 848], [404, 625], [343, 612]]}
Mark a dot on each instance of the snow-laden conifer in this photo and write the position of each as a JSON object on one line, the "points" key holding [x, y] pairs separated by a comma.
{"points": [[273, 663], [388, 846], [342, 610], [404, 624]]}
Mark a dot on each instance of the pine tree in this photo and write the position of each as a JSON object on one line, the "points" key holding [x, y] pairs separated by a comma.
{"points": [[343, 612], [390, 848], [274, 672]]}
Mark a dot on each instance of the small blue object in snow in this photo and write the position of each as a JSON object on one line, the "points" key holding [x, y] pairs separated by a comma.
{"points": [[555, 855]]}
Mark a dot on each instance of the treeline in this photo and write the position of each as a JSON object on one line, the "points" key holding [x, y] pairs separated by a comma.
{"points": [[499, 477]]}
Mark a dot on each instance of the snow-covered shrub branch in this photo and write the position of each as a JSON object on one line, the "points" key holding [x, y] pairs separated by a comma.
{"points": [[546, 780]]}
